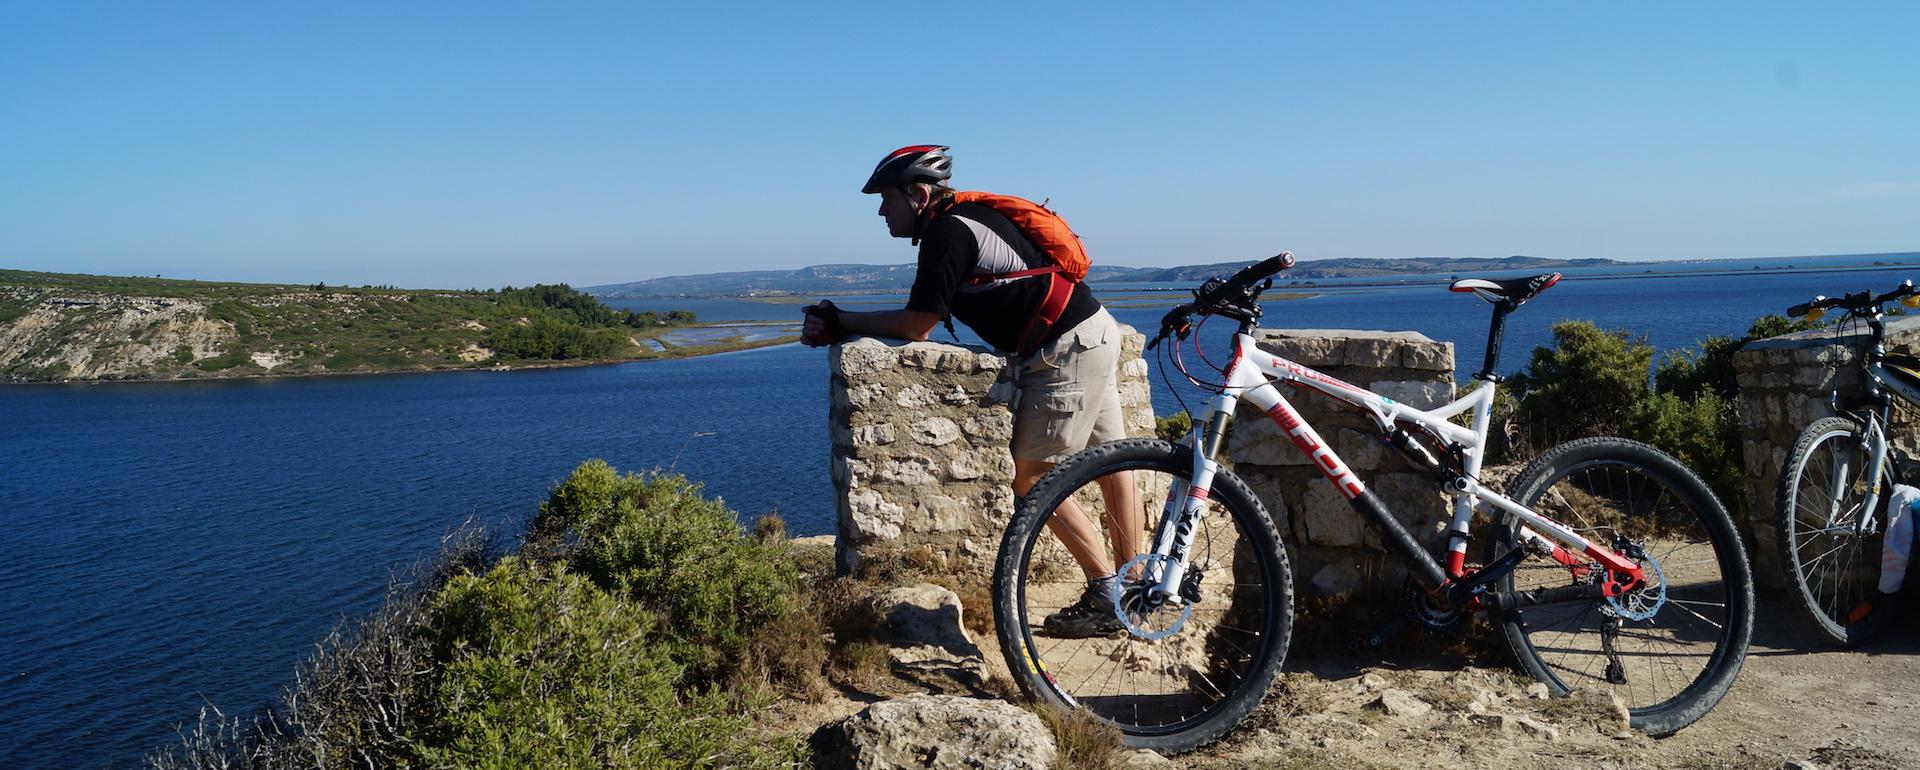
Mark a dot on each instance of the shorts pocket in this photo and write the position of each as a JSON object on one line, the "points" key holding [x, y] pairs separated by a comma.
{"points": [[1058, 412]]}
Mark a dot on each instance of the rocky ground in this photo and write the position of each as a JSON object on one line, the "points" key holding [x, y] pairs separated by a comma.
{"points": [[1798, 704]]}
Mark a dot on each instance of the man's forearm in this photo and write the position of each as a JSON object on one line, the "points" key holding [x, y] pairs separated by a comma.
{"points": [[900, 324]]}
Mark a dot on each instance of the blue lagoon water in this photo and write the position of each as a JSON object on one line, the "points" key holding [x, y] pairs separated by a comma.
{"points": [[174, 545]]}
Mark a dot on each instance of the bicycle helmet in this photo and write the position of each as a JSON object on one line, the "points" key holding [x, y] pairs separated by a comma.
{"points": [[907, 165]]}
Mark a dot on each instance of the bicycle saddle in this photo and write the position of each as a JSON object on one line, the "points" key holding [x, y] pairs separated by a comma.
{"points": [[1514, 290]]}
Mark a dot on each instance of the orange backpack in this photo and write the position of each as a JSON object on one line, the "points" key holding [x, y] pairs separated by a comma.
{"points": [[1045, 228], [1051, 235]]}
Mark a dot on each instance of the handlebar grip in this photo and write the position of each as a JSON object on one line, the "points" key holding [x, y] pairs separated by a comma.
{"points": [[1249, 275], [1799, 310]]}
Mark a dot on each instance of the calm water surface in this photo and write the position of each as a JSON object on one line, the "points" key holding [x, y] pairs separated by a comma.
{"points": [[172, 545]]}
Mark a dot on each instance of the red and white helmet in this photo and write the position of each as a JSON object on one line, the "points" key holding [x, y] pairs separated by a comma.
{"points": [[907, 165]]}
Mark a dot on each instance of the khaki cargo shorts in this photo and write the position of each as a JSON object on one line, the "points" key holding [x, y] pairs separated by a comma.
{"points": [[1069, 395]]}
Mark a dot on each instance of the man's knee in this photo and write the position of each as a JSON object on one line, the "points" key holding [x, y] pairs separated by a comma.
{"points": [[1026, 473]]}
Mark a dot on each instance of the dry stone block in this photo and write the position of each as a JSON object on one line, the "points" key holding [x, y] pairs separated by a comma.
{"points": [[1329, 520], [872, 435], [863, 356], [873, 517], [936, 431], [920, 432], [910, 471], [1417, 394]]}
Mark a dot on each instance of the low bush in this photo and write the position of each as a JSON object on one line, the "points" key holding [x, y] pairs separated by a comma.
{"points": [[654, 540], [1604, 382], [638, 627], [541, 668]]}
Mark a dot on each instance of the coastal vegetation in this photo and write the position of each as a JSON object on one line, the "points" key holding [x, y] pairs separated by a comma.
{"points": [[1595, 381], [637, 626], [58, 326]]}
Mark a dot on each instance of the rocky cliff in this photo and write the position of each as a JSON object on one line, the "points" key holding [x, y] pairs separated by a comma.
{"points": [[59, 333]]}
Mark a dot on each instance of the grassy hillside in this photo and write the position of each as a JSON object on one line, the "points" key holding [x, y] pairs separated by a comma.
{"points": [[57, 326]]}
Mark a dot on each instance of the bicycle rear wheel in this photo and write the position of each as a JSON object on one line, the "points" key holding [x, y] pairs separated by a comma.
{"points": [[1671, 648], [1177, 678], [1833, 561]]}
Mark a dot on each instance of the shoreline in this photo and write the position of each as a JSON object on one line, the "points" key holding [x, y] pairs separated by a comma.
{"points": [[1381, 281], [670, 354]]}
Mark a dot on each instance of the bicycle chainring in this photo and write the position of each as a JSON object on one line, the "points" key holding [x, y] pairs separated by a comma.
{"points": [[1429, 610]]}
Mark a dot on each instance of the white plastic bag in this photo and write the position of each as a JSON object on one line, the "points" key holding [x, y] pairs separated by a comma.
{"points": [[1898, 540]]}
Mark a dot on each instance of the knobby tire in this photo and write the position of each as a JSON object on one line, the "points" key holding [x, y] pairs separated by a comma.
{"points": [[1675, 665], [1834, 575], [1243, 627]]}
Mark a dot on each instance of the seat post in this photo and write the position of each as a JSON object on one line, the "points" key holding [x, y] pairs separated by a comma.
{"points": [[1491, 372]]}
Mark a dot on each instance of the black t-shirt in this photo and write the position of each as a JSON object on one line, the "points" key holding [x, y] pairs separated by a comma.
{"points": [[972, 239]]}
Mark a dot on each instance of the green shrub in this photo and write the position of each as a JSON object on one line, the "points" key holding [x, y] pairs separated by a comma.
{"points": [[1586, 384], [654, 540], [548, 338], [1595, 382], [1174, 427], [231, 358], [544, 669]]}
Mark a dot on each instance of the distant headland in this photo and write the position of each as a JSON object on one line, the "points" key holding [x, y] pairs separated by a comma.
{"points": [[56, 327]]}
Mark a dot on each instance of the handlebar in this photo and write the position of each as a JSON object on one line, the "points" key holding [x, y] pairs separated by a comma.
{"points": [[1217, 294], [1245, 278], [1858, 303]]}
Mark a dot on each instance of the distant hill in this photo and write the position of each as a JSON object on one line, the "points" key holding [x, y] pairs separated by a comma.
{"points": [[840, 279], [56, 326]]}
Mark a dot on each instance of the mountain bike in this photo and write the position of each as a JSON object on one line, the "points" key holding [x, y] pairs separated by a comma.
{"points": [[1612, 567], [1828, 503]]}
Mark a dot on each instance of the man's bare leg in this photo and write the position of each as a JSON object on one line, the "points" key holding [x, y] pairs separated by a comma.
{"points": [[1125, 519], [1070, 524]]}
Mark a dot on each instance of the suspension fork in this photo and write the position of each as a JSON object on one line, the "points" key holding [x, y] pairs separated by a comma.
{"points": [[1876, 471], [1186, 502]]}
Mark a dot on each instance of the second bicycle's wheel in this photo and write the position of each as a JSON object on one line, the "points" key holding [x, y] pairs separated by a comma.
{"points": [[1171, 678], [1671, 648], [1829, 543]]}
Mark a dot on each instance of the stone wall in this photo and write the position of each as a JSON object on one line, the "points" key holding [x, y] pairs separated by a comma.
{"points": [[920, 460], [1334, 548], [1785, 384]]}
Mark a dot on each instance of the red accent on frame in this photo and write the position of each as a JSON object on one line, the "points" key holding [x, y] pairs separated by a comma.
{"points": [[1616, 563], [1316, 450], [1456, 564], [1196, 493]]}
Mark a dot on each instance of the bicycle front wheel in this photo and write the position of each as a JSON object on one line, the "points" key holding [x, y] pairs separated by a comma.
{"points": [[1829, 542], [1172, 677], [1669, 648]]}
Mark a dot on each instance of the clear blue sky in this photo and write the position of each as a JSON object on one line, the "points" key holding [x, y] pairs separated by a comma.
{"points": [[480, 144]]}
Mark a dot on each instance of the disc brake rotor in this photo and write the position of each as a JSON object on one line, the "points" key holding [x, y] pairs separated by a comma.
{"points": [[1132, 605], [1643, 602]]}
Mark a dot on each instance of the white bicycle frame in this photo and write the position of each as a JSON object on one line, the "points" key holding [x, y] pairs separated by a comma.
{"points": [[1251, 376]]}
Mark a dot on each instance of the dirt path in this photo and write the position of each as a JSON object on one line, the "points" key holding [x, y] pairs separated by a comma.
{"points": [[1796, 700]]}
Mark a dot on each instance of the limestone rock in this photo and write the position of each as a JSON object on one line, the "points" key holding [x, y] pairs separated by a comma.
{"points": [[1399, 703], [936, 431], [1519, 726], [863, 356], [1329, 520], [936, 732], [930, 644], [1336, 578]]}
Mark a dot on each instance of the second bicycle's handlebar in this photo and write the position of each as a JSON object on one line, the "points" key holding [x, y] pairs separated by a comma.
{"points": [[1861, 302]]}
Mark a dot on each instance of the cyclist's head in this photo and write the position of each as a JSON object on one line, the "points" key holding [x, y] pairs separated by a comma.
{"points": [[920, 163], [909, 180]]}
